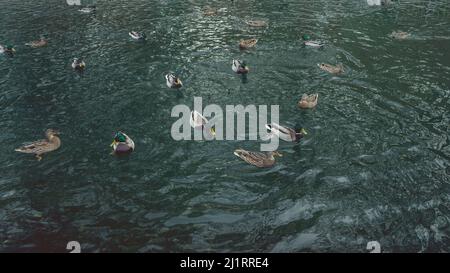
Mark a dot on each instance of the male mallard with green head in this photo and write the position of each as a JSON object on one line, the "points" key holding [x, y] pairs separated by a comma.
{"points": [[286, 133], [43, 146], [122, 144], [8, 49]]}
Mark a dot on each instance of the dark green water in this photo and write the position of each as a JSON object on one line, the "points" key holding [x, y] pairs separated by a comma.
{"points": [[375, 165]]}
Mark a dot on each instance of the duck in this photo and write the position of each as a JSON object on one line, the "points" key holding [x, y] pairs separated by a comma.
{"points": [[198, 121], [137, 35], [258, 159], [9, 49], [43, 146], [38, 43], [87, 9], [173, 81], [399, 35], [308, 42], [122, 144], [308, 101], [78, 64], [209, 11], [239, 67], [286, 133], [244, 44], [333, 69], [313, 43], [379, 2], [256, 23]]}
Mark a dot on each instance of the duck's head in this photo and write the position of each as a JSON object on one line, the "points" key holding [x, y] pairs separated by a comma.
{"points": [[301, 133], [212, 130], [173, 80], [79, 63], [277, 153], [306, 37], [118, 138], [243, 67], [10, 48], [52, 132]]}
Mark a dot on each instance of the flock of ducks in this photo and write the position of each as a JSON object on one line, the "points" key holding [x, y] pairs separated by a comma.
{"points": [[123, 144]]}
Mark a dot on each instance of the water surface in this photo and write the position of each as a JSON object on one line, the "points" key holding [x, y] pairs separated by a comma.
{"points": [[374, 166]]}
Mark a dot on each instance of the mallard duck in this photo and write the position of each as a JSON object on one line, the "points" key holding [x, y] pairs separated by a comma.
{"points": [[256, 23], [308, 42], [122, 144], [43, 146], [209, 11], [38, 43], [239, 67], [399, 35], [308, 101], [9, 49], [244, 44], [172, 81], [258, 159], [137, 35], [87, 9], [197, 121], [78, 64], [333, 69], [379, 2], [286, 133], [313, 43]]}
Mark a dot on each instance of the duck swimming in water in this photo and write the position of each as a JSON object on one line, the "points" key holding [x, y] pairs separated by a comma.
{"points": [[137, 35], [308, 101], [308, 42], [399, 35], [87, 9], [209, 11], [8, 49], [197, 121], [122, 144], [379, 2], [258, 159], [38, 43], [78, 64], [286, 133], [172, 81], [313, 43], [333, 69], [239, 67], [43, 146], [245, 44], [256, 23]]}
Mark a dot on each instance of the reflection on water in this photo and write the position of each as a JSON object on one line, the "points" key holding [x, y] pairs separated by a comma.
{"points": [[374, 166]]}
